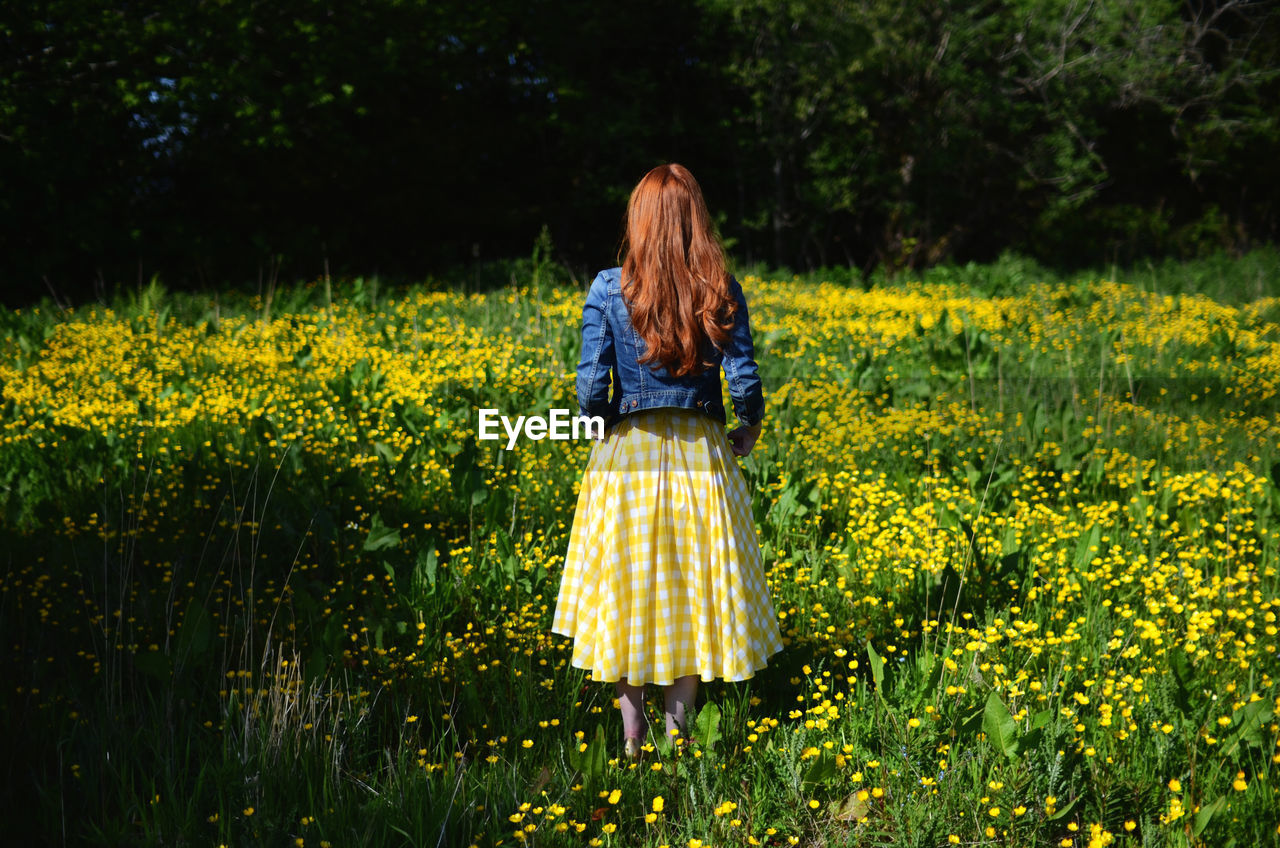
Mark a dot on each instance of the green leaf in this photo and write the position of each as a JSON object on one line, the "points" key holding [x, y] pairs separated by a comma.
{"points": [[1084, 553], [1184, 675], [877, 666], [926, 664], [1065, 810], [385, 452], [427, 565], [821, 771], [381, 536], [591, 762], [1249, 731], [929, 673], [663, 744], [1001, 729], [1206, 812], [706, 726]]}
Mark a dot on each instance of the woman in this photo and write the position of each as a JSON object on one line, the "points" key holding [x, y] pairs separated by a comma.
{"points": [[663, 580]]}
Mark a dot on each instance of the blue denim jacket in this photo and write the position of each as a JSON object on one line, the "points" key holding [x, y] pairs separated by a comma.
{"points": [[611, 348]]}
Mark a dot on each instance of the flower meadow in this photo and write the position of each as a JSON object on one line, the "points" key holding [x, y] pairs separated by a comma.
{"points": [[264, 585]]}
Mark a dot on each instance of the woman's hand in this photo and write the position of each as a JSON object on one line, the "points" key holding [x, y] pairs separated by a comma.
{"points": [[743, 439]]}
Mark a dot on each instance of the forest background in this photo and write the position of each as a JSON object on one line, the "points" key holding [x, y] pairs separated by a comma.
{"points": [[216, 143]]}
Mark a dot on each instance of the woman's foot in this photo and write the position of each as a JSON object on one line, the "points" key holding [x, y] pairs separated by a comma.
{"points": [[633, 749]]}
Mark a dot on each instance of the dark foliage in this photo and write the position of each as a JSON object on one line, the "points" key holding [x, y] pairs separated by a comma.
{"points": [[215, 144]]}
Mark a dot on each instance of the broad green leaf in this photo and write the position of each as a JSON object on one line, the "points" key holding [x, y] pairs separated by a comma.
{"points": [[381, 536], [706, 726], [427, 565], [1205, 813], [821, 771], [1001, 729], [591, 762], [383, 450]]}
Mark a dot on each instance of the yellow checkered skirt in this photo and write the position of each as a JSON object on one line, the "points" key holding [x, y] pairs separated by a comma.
{"points": [[663, 577]]}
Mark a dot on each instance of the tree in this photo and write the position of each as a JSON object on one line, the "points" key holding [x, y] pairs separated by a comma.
{"points": [[212, 141], [1075, 130]]}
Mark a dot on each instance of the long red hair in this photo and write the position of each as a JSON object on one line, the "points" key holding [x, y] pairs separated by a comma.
{"points": [[674, 276]]}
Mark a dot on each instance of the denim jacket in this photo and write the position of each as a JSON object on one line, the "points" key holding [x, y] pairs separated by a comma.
{"points": [[611, 348]]}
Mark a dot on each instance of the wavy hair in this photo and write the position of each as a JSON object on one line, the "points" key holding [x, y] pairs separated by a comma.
{"points": [[674, 277]]}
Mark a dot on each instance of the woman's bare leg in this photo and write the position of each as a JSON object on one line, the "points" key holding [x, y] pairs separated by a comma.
{"points": [[631, 702], [677, 698]]}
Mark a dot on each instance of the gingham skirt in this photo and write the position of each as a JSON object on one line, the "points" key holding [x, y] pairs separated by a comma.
{"points": [[663, 576]]}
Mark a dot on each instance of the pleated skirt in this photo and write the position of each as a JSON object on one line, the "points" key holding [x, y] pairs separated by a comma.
{"points": [[663, 577]]}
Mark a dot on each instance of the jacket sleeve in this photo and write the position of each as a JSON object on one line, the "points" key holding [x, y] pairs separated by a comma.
{"points": [[740, 369], [596, 363]]}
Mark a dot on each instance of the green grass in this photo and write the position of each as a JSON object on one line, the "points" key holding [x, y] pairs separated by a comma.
{"points": [[264, 585]]}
